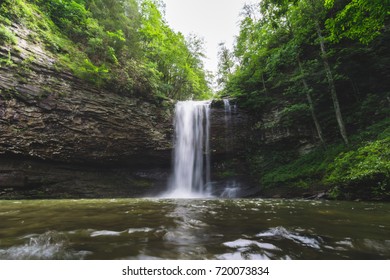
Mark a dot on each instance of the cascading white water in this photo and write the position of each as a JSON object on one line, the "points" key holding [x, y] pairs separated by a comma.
{"points": [[191, 167], [228, 118], [228, 110], [232, 188]]}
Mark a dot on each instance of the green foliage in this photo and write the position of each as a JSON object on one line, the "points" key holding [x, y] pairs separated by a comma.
{"points": [[293, 113], [362, 20], [309, 168], [7, 61], [113, 44], [225, 65], [69, 16], [359, 172], [177, 60], [79, 25], [335, 193], [15, 11], [89, 71], [7, 36], [280, 63], [368, 165], [288, 57]]}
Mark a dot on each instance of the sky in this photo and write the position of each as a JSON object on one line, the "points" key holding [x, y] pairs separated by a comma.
{"points": [[215, 21]]}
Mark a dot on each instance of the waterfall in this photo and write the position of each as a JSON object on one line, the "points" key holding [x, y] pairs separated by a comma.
{"points": [[191, 165], [232, 188], [228, 110]]}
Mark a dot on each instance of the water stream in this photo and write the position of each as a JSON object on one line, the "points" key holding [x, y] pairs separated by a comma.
{"points": [[194, 229]]}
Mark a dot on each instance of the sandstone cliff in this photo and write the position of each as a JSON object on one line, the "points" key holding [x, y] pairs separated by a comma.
{"points": [[51, 114], [63, 137]]}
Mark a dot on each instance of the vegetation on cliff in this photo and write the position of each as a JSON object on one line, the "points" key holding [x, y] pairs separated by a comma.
{"points": [[322, 63], [125, 45]]}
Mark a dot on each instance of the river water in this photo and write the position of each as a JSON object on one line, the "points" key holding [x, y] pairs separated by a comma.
{"points": [[194, 229]]}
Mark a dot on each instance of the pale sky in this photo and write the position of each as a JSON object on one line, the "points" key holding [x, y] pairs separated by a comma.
{"points": [[215, 21]]}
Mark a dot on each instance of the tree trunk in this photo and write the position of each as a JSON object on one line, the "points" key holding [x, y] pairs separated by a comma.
{"points": [[311, 103], [264, 87], [332, 86]]}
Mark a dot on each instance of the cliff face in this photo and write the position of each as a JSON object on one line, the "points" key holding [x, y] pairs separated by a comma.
{"points": [[245, 143], [270, 130], [235, 130], [229, 130], [53, 115], [63, 137]]}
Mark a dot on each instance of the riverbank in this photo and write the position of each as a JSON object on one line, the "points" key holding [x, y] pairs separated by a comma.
{"points": [[360, 170]]}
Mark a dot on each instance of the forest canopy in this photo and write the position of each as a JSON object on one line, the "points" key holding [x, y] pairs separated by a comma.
{"points": [[125, 45], [323, 64], [310, 57]]}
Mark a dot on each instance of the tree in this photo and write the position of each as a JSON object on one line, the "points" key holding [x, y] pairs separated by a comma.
{"points": [[290, 65], [308, 91], [225, 65], [312, 11], [177, 61], [361, 20]]}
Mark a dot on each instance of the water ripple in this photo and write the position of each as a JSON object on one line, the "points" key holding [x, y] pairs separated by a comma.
{"points": [[281, 232], [242, 243], [47, 246], [106, 233]]}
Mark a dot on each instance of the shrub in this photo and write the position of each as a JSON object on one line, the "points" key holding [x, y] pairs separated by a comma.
{"points": [[366, 167], [7, 36]]}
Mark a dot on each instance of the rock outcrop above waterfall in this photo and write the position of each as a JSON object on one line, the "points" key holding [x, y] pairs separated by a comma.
{"points": [[270, 129], [235, 130], [229, 129]]}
